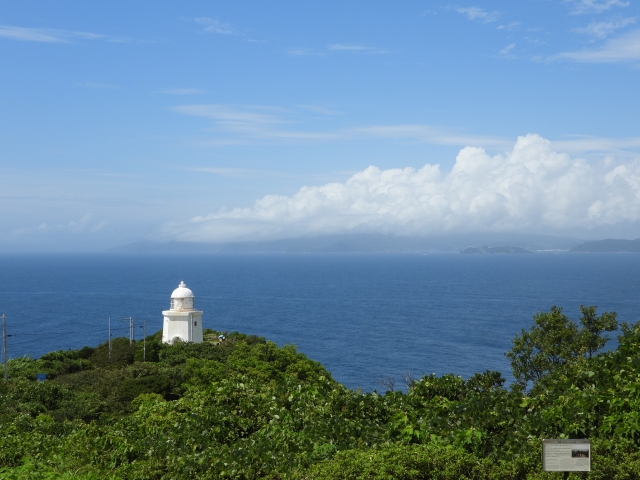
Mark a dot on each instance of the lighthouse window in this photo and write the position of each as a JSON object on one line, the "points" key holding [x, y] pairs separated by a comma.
{"points": [[195, 324]]}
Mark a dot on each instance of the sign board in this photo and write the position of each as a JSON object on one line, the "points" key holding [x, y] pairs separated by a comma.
{"points": [[566, 455], [41, 377]]}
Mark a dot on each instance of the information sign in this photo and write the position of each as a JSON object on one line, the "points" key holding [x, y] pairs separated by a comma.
{"points": [[566, 455], [41, 377]]}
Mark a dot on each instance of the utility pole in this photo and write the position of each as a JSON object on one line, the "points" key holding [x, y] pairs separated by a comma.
{"points": [[144, 343], [4, 348], [131, 330], [109, 338]]}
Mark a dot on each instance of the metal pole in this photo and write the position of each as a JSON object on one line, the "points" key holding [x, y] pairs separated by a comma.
{"points": [[131, 335], [4, 348], [144, 344]]}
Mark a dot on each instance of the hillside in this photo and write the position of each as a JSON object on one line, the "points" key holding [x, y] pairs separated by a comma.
{"points": [[608, 246], [246, 408]]}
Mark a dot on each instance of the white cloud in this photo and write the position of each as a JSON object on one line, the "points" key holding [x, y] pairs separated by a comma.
{"points": [[239, 172], [250, 120], [507, 52], [534, 41], [625, 48], [341, 47], [584, 143], [86, 224], [31, 34], [211, 25], [182, 91], [259, 124], [422, 134], [336, 47], [304, 52], [218, 27], [531, 188], [604, 29], [509, 27], [476, 13], [50, 35], [581, 7]]}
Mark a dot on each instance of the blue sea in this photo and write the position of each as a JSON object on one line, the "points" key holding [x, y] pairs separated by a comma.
{"points": [[363, 316]]}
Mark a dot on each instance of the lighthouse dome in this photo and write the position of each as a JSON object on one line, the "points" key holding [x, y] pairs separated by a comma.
{"points": [[182, 298], [182, 291]]}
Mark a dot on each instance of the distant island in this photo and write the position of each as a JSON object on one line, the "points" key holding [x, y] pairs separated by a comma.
{"points": [[489, 250], [608, 246]]}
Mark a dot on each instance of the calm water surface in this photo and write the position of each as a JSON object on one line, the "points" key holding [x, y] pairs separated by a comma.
{"points": [[363, 316]]}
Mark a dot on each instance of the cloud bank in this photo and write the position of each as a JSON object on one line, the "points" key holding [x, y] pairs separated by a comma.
{"points": [[530, 188], [625, 48]]}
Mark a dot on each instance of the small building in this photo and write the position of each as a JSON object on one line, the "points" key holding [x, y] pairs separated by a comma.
{"points": [[182, 321]]}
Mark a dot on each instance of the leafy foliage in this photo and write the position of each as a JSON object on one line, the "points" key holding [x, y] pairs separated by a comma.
{"points": [[246, 408], [555, 341]]}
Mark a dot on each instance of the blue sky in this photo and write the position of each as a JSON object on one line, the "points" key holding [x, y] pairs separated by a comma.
{"points": [[221, 121]]}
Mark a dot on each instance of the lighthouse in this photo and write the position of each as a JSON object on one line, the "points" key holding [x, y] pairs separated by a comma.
{"points": [[182, 321]]}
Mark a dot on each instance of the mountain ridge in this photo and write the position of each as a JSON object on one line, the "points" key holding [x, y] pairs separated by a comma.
{"points": [[358, 243], [609, 245]]}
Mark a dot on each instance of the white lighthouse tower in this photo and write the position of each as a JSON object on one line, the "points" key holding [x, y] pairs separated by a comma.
{"points": [[182, 321]]}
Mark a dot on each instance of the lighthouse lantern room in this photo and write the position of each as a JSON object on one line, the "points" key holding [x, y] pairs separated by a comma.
{"points": [[182, 321]]}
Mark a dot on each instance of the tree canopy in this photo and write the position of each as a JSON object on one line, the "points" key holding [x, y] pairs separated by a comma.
{"points": [[555, 341]]}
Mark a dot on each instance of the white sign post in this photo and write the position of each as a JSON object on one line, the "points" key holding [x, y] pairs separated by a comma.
{"points": [[566, 455]]}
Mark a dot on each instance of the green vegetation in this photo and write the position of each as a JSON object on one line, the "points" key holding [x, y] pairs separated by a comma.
{"points": [[246, 409]]}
